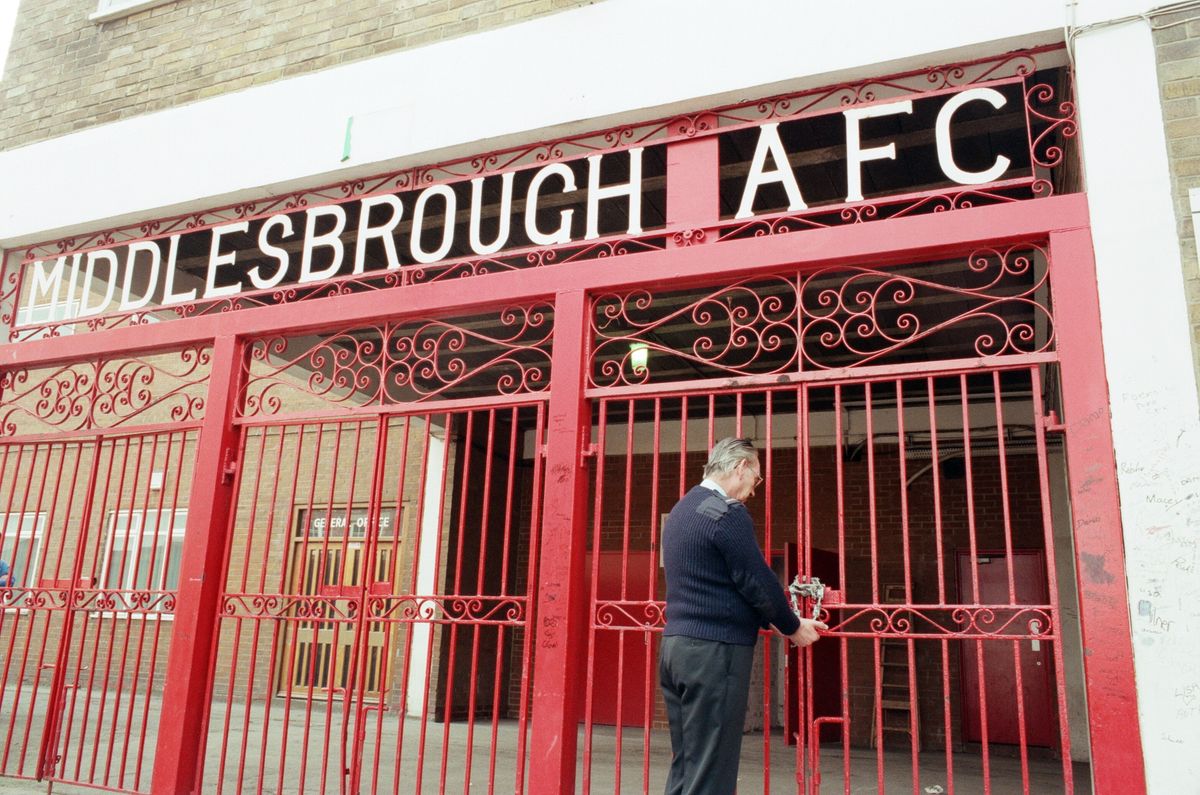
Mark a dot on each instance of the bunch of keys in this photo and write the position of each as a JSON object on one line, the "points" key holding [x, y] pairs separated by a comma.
{"points": [[814, 589]]}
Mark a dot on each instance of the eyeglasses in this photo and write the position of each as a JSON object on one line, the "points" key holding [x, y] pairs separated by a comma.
{"points": [[758, 478]]}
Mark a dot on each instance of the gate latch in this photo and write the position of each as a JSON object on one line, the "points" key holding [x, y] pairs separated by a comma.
{"points": [[813, 589]]}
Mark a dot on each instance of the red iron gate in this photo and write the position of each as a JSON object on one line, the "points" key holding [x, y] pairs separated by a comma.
{"points": [[373, 631], [92, 528], [875, 486]]}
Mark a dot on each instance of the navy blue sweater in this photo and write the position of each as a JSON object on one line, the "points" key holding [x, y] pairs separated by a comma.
{"points": [[719, 587]]}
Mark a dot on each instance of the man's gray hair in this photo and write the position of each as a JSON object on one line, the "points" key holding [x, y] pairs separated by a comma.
{"points": [[726, 454]]}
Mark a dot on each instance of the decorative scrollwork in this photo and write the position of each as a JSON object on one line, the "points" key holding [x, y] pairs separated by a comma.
{"points": [[289, 606], [106, 393], [404, 362], [146, 602], [927, 621], [34, 598], [853, 316], [1057, 122], [473, 609], [749, 327], [628, 615], [994, 302]]}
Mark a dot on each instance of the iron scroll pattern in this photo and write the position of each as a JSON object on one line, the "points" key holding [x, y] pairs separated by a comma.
{"points": [[447, 609], [288, 606], [405, 609], [1051, 117], [993, 303], [106, 393], [120, 601], [402, 362], [988, 622], [17, 598]]}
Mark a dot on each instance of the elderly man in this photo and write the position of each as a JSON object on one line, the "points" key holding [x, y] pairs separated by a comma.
{"points": [[720, 591]]}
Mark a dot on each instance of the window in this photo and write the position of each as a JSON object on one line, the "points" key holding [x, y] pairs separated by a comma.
{"points": [[48, 312], [114, 9], [22, 545], [143, 551]]}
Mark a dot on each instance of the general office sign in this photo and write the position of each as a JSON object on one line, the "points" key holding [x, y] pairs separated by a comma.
{"points": [[557, 204]]}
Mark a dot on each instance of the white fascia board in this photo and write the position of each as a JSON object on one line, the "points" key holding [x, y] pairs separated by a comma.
{"points": [[1148, 361], [567, 72]]}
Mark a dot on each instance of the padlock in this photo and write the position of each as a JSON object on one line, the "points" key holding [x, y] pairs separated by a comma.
{"points": [[813, 589]]}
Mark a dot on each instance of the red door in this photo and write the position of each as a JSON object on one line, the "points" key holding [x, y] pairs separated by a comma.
{"points": [[623, 658], [1000, 664]]}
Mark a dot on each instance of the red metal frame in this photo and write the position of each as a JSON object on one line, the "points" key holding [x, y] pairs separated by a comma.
{"points": [[693, 255]]}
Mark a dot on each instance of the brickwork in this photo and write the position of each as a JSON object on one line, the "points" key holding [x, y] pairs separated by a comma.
{"points": [[1177, 41], [66, 73]]}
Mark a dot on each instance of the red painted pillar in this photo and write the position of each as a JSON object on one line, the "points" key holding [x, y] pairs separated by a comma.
{"points": [[562, 616], [562, 620], [1117, 764], [693, 187], [185, 695]]}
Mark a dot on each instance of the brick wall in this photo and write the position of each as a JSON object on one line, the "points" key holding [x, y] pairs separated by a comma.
{"points": [[1177, 41], [65, 72]]}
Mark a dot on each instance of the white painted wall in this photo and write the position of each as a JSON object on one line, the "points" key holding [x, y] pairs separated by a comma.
{"points": [[1147, 348], [458, 97]]}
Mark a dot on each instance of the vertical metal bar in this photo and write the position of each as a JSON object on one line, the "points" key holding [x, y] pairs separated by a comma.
{"points": [[151, 583], [622, 635], [796, 680], [965, 406], [79, 550], [114, 614], [184, 444], [593, 592], [8, 514], [280, 631], [235, 656], [361, 649], [106, 534], [189, 658], [910, 648], [875, 598], [392, 578], [464, 485], [413, 590], [1011, 565], [437, 557], [50, 733], [503, 591], [844, 674], [301, 575], [128, 626], [531, 587], [489, 453], [939, 554], [648, 636], [768, 642]]}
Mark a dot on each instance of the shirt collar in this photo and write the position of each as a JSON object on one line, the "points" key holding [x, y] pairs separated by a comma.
{"points": [[711, 484]]}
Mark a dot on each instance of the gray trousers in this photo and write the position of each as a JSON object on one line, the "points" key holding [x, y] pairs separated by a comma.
{"points": [[705, 684]]}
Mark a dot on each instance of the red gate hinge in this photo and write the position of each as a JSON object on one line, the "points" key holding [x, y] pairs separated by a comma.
{"points": [[230, 468]]}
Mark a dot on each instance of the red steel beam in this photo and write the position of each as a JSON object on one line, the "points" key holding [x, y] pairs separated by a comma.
{"points": [[185, 694], [560, 618], [1116, 746], [879, 242]]}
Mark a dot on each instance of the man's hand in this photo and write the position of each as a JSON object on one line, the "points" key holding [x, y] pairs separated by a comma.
{"points": [[807, 635]]}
